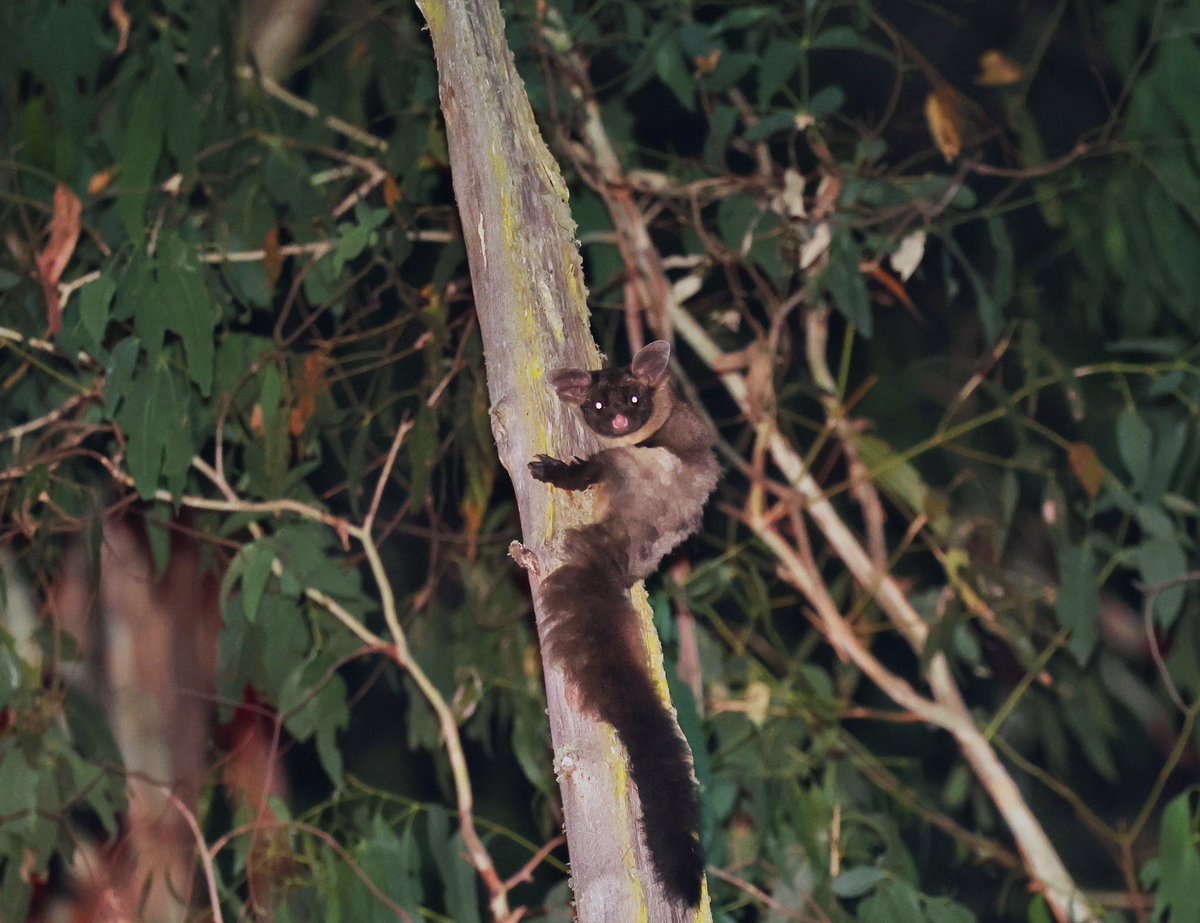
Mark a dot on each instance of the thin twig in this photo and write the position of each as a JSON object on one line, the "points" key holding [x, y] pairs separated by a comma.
{"points": [[304, 107], [525, 873], [398, 440], [1151, 597], [947, 710], [765, 899], [206, 858]]}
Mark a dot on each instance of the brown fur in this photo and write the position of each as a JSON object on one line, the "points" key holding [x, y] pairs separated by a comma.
{"points": [[652, 480]]}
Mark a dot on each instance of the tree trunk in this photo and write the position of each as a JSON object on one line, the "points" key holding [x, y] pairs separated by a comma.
{"points": [[531, 302]]}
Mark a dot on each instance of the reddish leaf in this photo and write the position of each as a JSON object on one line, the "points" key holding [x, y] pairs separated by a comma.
{"points": [[64, 235], [307, 390], [892, 284]]}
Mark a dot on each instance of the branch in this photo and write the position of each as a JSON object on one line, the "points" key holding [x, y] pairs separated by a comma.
{"points": [[530, 298], [398, 650], [947, 710]]}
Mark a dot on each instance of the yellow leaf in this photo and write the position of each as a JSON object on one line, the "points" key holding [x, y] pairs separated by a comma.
{"points": [[101, 181], [996, 69], [944, 115]]}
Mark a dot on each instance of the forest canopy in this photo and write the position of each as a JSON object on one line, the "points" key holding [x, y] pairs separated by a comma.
{"points": [[930, 271]]}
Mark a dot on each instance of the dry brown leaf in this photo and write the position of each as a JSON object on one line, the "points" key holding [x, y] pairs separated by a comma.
{"points": [[272, 257], [707, 63], [760, 380], [1086, 467], [828, 192], [258, 424], [996, 69], [944, 115], [392, 194]]}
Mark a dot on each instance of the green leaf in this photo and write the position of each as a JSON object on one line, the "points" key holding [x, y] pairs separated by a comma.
{"points": [[458, 878], [743, 18], [894, 901], [18, 786], [673, 70], [1039, 910], [266, 653], [189, 308], [1160, 561], [119, 372], [1171, 440], [267, 453], [897, 476], [92, 737], [721, 125], [1133, 444], [183, 129], [315, 704], [139, 420], [1178, 896], [331, 715], [1078, 604], [842, 280], [944, 910], [393, 863], [350, 245], [731, 68], [855, 882], [158, 537], [309, 554], [770, 124], [140, 150], [736, 215], [15, 891], [826, 101], [1003, 269], [1089, 718], [155, 422], [236, 359], [989, 311], [256, 559], [778, 64], [845, 38], [95, 301]]}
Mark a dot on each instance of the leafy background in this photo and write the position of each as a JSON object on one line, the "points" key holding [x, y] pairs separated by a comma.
{"points": [[989, 210]]}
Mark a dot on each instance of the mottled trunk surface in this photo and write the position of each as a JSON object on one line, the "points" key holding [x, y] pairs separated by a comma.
{"points": [[531, 301]]}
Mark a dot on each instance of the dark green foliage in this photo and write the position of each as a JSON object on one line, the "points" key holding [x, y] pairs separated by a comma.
{"points": [[260, 301]]}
